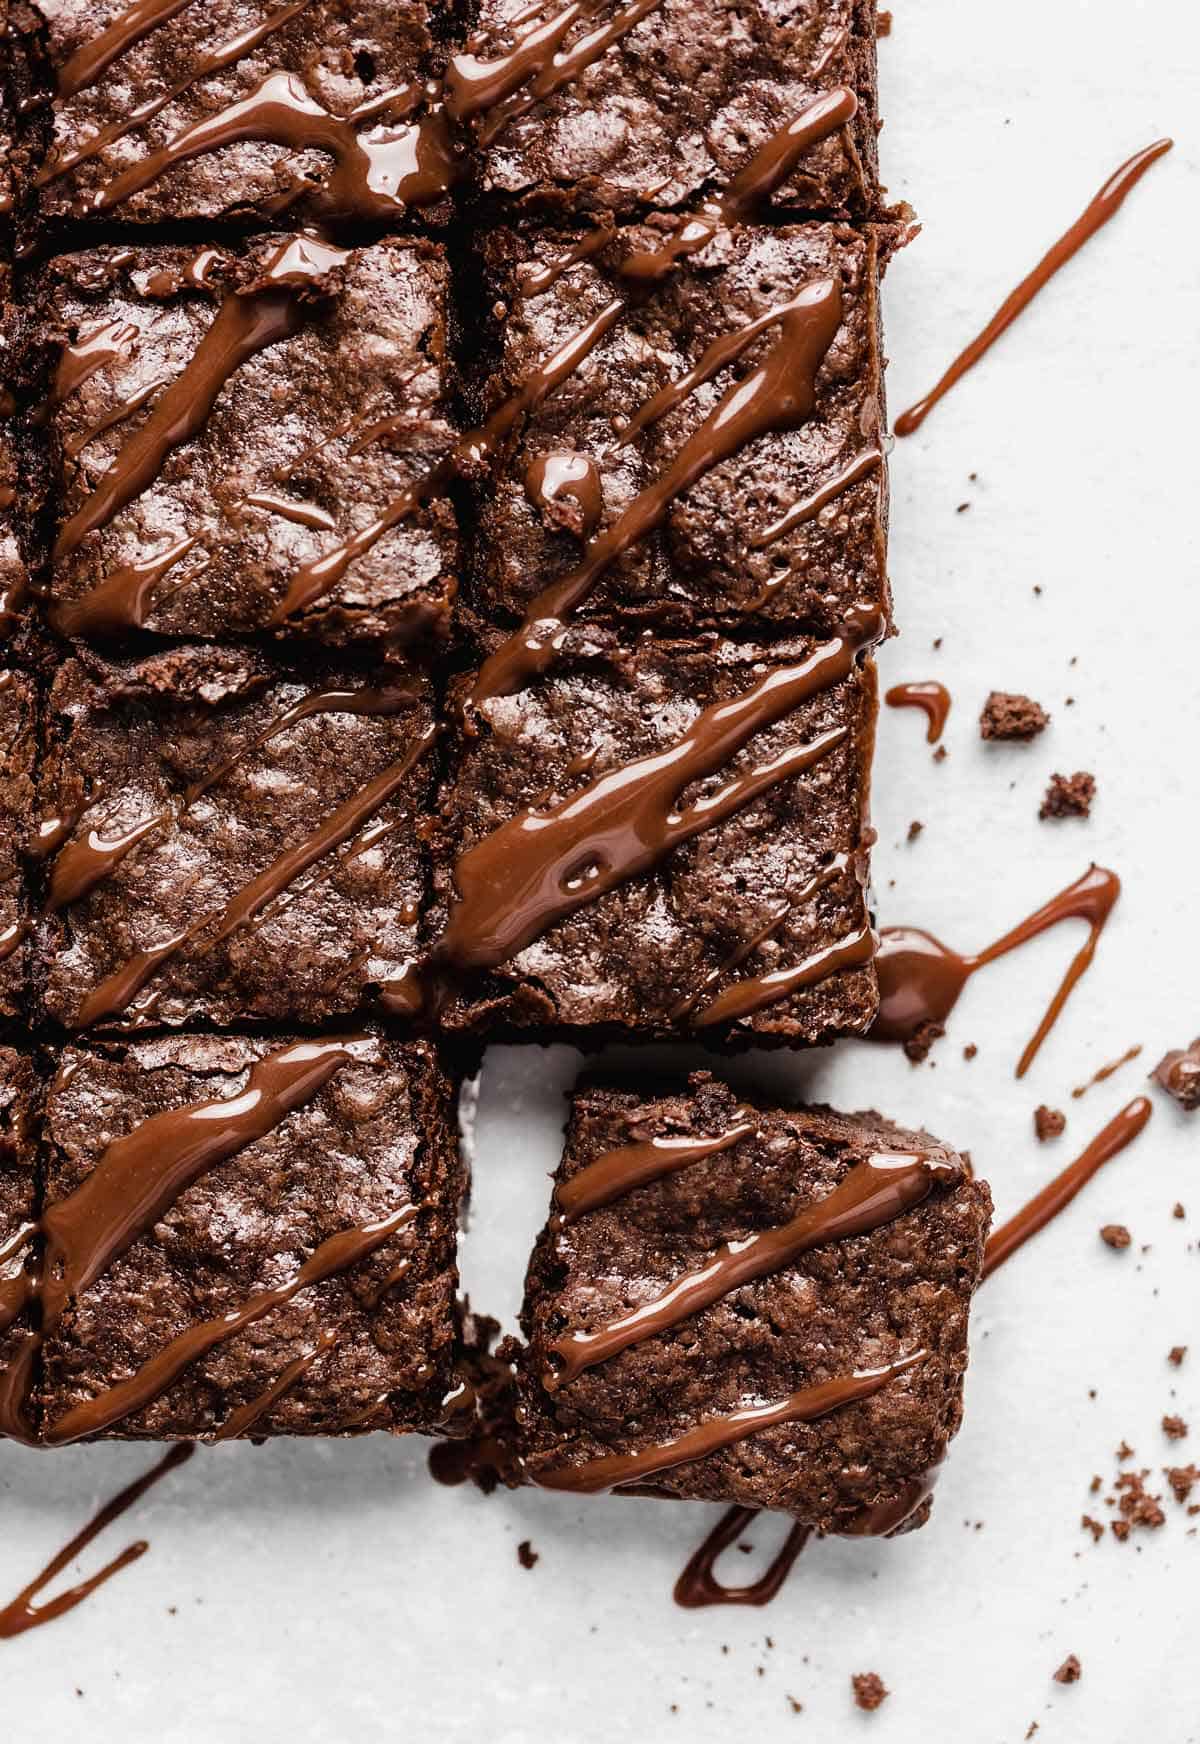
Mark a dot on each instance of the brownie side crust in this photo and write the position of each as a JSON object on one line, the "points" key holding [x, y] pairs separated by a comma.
{"points": [[846, 1306], [221, 420], [238, 837], [672, 108], [19, 1196], [790, 530], [18, 734], [357, 1145]]}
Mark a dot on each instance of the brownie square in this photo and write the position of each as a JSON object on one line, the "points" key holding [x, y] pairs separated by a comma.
{"points": [[257, 1236], [231, 837], [790, 529], [18, 735], [671, 101], [19, 1204], [841, 1253], [225, 418], [597, 864], [241, 107]]}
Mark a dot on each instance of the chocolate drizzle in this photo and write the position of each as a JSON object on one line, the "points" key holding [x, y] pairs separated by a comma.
{"points": [[565, 488], [921, 979], [874, 1192], [1095, 215], [541, 866], [926, 694], [24, 1612], [611, 1471], [698, 1585], [619, 1171]]}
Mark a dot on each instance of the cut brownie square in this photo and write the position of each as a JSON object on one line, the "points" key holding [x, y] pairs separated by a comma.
{"points": [[791, 527], [662, 100], [753, 1305], [662, 838], [250, 1236], [227, 422], [231, 837], [18, 735], [238, 107], [19, 1206]]}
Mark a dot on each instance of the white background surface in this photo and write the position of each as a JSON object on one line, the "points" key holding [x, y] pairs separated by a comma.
{"points": [[327, 1592]]}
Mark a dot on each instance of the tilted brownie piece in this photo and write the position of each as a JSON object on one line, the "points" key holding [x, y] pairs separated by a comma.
{"points": [[790, 527], [18, 1206], [238, 107], [661, 100], [18, 736], [660, 837], [231, 837], [810, 1356], [225, 420], [253, 1236]]}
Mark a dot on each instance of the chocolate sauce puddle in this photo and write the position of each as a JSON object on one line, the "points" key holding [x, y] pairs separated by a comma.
{"points": [[932, 698], [921, 979], [25, 1612], [1094, 216]]}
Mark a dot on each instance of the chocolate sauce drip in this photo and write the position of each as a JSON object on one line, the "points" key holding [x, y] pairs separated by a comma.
{"points": [[874, 1192], [743, 999], [862, 466], [619, 1171], [95, 56], [24, 1612], [246, 323], [93, 351], [1121, 1130], [806, 1406], [536, 281], [921, 979], [239, 1422], [1094, 216], [12, 938], [698, 1585], [882, 1519], [541, 866], [926, 694], [1105, 1072], [565, 489]]}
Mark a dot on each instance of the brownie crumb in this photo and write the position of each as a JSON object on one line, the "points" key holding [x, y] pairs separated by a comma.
{"points": [[1033, 1727], [526, 1554], [1115, 1235], [922, 1039], [1069, 796], [1124, 1451], [1178, 1211], [940, 755], [1070, 1671], [869, 1690], [796, 1707], [883, 27], [1178, 1072], [914, 829], [1095, 1527], [970, 1051], [1181, 1479], [1174, 1428], [1049, 1123], [1136, 1505], [1009, 715], [1120, 1530], [1176, 1354]]}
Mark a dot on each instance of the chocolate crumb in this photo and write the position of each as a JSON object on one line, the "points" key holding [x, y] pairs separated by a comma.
{"points": [[1124, 1451], [1178, 1072], [1116, 1235], [883, 27], [869, 1690], [1095, 1527], [914, 829], [796, 1707], [922, 1039], [937, 641], [1178, 1211], [1070, 1671], [1174, 1428], [1069, 796], [1033, 1727], [1094, 1486], [1009, 715], [970, 1051], [1137, 1506], [940, 755], [1120, 1529], [1181, 1479], [1176, 1354], [1049, 1123], [962, 508], [526, 1554]]}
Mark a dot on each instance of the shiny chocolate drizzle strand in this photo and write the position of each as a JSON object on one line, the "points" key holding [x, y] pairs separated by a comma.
{"points": [[540, 866], [698, 1585], [928, 695], [619, 1171], [1094, 216], [29, 1611], [921, 979], [874, 1192]]}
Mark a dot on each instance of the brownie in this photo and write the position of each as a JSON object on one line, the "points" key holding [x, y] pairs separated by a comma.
{"points": [[868, 1327], [1008, 715], [334, 1154], [18, 1203], [231, 837], [18, 735], [669, 102], [725, 550], [314, 109], [224, 418], [612, 851]]}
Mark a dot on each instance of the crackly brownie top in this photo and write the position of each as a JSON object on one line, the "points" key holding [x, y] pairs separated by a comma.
{"points": [[292, 1207], [178, 109], [659, 100], [683, 1175], [678, 849], [790, 525], [225, 419], [18, 728], [230, 836]]}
